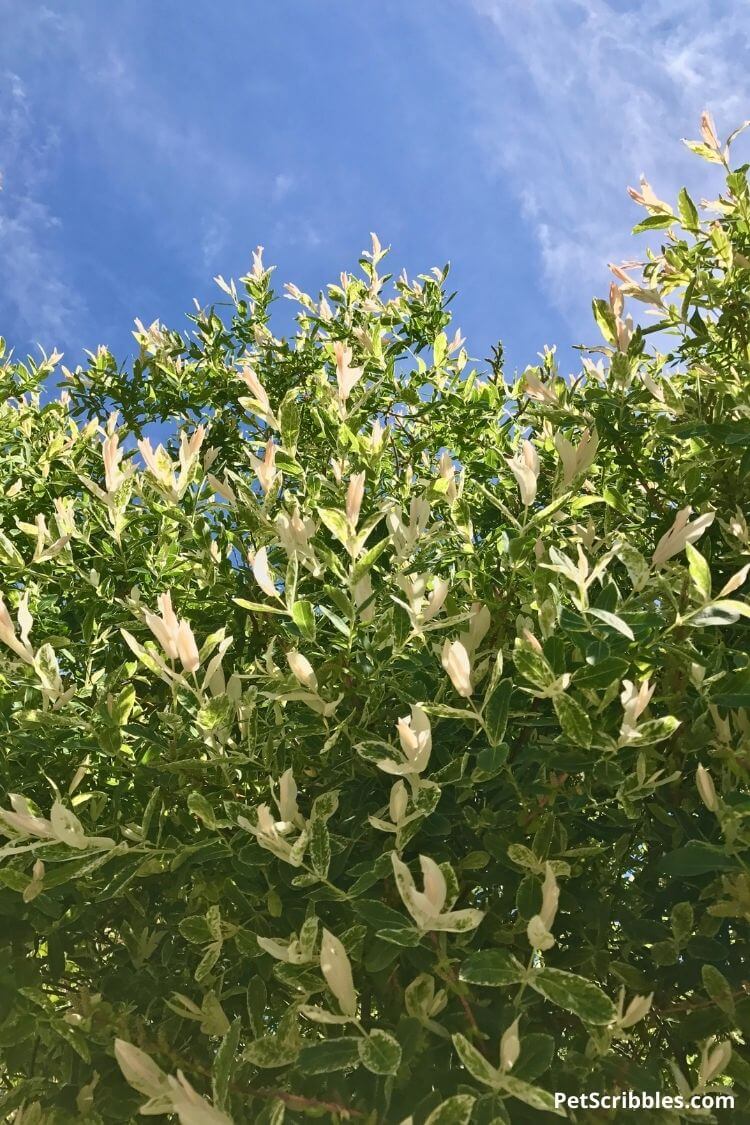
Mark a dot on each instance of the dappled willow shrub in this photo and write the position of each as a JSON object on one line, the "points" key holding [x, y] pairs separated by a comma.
{"points": [[375, 728]]}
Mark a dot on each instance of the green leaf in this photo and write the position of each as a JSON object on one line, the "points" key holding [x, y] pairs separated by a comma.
{"points": [[290, 581], [722, 245], [427, 797], [256, 1003], [47, 667], [696, 858], [301, 979], [532, 666], [615, 499], [270, 1052], [207, 962], [475, 861], [377, 914], [664, 953], [73, 1037], [272, 1113], [336, 523], [11, 554], [319, 847], [201, 808], [304, 618], [476, 1063], [288, 464], [217, 713], [537, 1053], [737, 1069], [495, 711], [494, 968], [123, 705], [195, 929], [289, 419], [605, 319], [682, 921], [531, 1095], [379, 1052], [365, 563], [700, 572], [688, 211], [718, 988], [613, 621], [225, 1059], [524, 857], [214, 1020], [705, 151], [656, 730], [654, 222], [600, 675], [725, 611], [574, 721], [445, 711], [440, 349], [152, 807], [379, 955], [453, 1111], [341, 1053], [490, 761], [402, 936], [337, 622], [25, 1091], [260, 607], [419, 995], [490, 1109], [576, 994], [325, 805]]}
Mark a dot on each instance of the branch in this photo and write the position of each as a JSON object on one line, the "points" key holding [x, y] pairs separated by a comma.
{"points": [[450, 977], [298, 1101], [689, 1006], [544, 799], [294, 1101]]}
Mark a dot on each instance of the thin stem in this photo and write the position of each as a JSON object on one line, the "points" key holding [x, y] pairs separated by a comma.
{"points": [[298, 1101], [524, 983], [445, 971]]}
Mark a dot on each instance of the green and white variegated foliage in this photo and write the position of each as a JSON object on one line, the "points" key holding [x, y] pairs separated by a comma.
{"points": [[375, 733]]}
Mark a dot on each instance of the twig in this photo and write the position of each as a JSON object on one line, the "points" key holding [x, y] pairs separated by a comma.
{"points": [[295, 1101], [298, 1101], [555, 782], [450, 977], [688, 1006]]}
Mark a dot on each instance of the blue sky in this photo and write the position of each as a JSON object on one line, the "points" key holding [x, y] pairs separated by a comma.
{"points": [[147, 146]]}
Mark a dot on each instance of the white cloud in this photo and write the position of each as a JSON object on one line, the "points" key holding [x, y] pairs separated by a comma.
{"points": [[213, 241], [584, 99], [96, 85], [283, 183], [35, 285]]}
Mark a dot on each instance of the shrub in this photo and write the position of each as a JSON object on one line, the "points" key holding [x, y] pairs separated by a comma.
{"points": [[378, 745]]}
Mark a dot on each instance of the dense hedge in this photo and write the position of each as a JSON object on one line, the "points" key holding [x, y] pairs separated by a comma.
{"points": [[378, 745]]}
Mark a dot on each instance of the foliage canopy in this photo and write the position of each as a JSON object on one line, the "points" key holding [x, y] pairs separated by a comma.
{"points": [[379, 744]]}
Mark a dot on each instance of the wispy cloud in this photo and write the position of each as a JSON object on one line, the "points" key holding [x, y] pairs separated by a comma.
{"points": [[590, 96], [213, 241], [36, 289], [135, 172], [283, 183], [169, 171]]}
